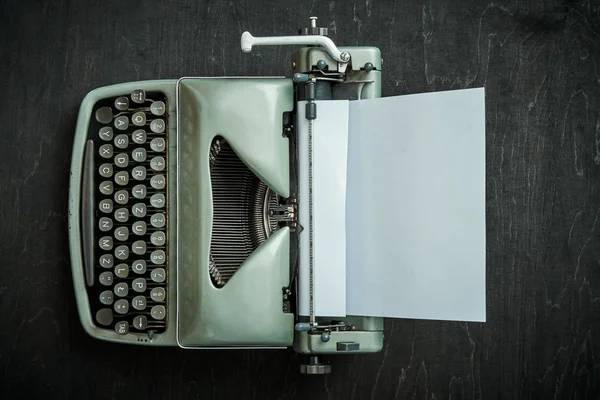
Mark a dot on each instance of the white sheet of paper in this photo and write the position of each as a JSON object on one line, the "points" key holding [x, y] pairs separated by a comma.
{"points": [[415, 207], [330, 145]]}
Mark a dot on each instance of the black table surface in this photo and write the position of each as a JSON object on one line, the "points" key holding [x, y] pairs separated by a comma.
{"points": [[540, 64]]}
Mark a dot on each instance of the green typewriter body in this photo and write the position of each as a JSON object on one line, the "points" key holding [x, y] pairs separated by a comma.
{"points": [[183, 207]]}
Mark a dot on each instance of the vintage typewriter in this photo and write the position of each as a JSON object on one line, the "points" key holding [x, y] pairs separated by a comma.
{"points": [[186, 207], [183, 206]]}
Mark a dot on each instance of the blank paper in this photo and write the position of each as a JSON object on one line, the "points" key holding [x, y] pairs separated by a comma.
{"points": [[415, 207]]}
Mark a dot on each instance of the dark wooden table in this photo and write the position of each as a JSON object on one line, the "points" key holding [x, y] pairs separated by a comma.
{"points": [[540, 64]]}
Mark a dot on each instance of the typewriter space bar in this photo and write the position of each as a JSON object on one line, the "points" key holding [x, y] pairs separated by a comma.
{"points": [[87, 213]]}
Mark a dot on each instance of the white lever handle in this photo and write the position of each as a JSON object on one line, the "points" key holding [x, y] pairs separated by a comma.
{"points": [[314, 40]]}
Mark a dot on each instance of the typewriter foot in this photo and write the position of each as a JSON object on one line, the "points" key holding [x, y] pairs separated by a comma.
{"points": [[314, 367]]}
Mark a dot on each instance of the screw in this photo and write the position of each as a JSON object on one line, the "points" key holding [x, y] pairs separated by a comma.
{"points": [[321, 64], [345, 56], [313, 22], [293, 64]]}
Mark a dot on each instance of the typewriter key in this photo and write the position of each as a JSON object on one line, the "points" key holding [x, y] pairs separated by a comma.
{"points": [[106, 278], [121, 141], [139, 247], [121, 123], [107, 298], [106, 260], [122, 270], [139, 118], [105, 133], [139, 285], [121, 306], [158, 312], [140, 322], [139, 266], [121, 289], [122, 103], [139, 303], [104, 115], [105, 224], [106, 170], [139, 136], [158, 294], [122, 252], [139, 228], [122, 327], [157, 108], [158, 275], [104, 316]]}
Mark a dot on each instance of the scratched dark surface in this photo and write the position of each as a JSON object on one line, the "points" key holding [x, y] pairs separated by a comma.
{"points": [[540, 64]]}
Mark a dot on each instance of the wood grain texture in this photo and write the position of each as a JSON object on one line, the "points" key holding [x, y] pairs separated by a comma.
{"points": [[540, 64]]}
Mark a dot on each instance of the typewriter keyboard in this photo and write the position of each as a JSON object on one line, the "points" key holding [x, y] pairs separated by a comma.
{"points": [[124, 213]]}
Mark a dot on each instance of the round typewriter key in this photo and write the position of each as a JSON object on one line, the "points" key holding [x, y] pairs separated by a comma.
{"points": [[104, 316], [139, 210], [106, 170], [105, 133], [104, 115], [122, 178], [139, 247], [157, 200], [139, 136], [121, 123], [122, 270], [158, 144], [157, 182], [158, 238], [106, 243], [157, 163], [122, 160], [139, 303], [122, 252], [139, 118], [139, 285], [157, 108], [106, 151], [158, 294], [106, 187], [139, 266], [138, 96], [140, 322], [122, 103], [122, 196], [106, 260], [106, 205], [106, 278], [157, 126], [158, 220], [139, 191], [139, 173], [122, 327], [158, 275], [121, 306], [121, 141], [107, 298], [121, 289], [105, 224], [122, 233], [139, 154], [157, 257], [158, 312], [139, 228], [122, 215]]}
